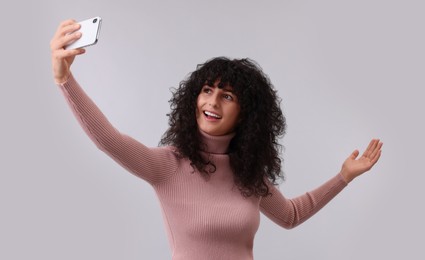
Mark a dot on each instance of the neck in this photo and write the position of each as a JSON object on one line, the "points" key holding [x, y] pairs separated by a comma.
{"points": [[216, 144]]}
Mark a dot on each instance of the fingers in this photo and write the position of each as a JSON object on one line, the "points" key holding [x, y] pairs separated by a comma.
{"points": [[371, 148], [62, 26], [354, 154], [62, 59], [376, 158], [376, 153], [65, 34], [62, 54], [373, 152], [66, 22], [66, 27], [65, 40], [59, 55]]}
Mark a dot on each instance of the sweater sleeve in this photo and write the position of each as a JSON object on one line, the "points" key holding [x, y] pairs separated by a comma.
{"points": [[151, 164], [289, 213]]}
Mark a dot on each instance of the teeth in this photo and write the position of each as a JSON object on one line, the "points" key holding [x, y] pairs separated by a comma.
{"points": [[212, 114]]}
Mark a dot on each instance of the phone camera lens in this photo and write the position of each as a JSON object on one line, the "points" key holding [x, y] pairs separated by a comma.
{"points": [[94, 20]]}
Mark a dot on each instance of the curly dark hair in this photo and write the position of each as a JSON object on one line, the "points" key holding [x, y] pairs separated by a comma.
{"points": [[254, 151]]}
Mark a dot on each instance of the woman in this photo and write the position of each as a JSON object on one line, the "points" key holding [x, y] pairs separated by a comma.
{"points": [[220, 159]]}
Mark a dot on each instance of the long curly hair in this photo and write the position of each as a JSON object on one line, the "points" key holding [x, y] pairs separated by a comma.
{"points": [[254, 151]]}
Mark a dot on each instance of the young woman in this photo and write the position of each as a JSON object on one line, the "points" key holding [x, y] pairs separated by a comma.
{"points": [[219, 160]]}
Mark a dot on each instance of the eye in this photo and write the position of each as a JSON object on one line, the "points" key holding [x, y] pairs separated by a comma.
{"points": [[228, 97], [206, 89]]}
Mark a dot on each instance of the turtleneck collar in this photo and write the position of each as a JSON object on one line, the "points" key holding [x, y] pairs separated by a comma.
{"points": [[216, 144]]}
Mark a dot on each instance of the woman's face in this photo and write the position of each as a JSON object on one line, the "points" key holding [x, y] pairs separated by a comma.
{"points": [[217, 110]]}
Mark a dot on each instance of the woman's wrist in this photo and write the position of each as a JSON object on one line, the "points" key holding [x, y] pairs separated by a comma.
{"points": [[347, 178], [61, 80]]}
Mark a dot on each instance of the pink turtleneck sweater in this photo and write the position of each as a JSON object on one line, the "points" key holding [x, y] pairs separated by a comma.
{"points": [[204, 218]]}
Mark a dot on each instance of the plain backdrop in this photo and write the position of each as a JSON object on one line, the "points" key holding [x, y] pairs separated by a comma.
{"points": [[347, 71]]}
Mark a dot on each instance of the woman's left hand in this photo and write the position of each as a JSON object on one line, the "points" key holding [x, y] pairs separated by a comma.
{"points": [[354, 167]]}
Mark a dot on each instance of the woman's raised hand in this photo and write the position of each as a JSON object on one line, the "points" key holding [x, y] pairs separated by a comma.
{"points": [[61, 58], [354, 167]]}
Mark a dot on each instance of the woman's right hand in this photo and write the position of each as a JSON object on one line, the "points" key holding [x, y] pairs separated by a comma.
{"points": [[61, 58]]}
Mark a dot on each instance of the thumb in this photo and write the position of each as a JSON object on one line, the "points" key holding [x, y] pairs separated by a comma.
{"points": [[354, 154]]}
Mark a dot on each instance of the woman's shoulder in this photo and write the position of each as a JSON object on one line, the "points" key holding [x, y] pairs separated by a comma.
{"points": [[166, 149], [168, 154]]}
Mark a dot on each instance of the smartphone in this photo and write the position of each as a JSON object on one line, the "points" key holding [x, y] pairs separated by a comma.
{"points": [[89, 29]]}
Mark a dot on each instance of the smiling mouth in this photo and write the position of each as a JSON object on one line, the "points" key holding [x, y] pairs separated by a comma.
{"points": [[211, 115]]}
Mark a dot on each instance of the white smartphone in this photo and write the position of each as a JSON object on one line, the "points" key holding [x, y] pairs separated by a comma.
{"points": [[89, 29]]}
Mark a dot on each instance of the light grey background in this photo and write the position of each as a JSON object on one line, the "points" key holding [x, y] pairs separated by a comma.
{"points": [[347, 71]]}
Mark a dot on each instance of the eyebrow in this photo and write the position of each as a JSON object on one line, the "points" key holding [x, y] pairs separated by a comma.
{"points": [[226, 88]]}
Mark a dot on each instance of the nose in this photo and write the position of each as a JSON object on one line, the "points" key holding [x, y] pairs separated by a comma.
{"points": [[213, 100]]}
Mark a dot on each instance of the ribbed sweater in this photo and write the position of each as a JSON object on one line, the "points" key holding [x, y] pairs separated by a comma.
{"points": [[205, 218]]}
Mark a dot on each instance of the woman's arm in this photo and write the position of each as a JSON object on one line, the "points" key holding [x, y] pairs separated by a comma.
{"points": [[289, 213], [151, 164]]}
